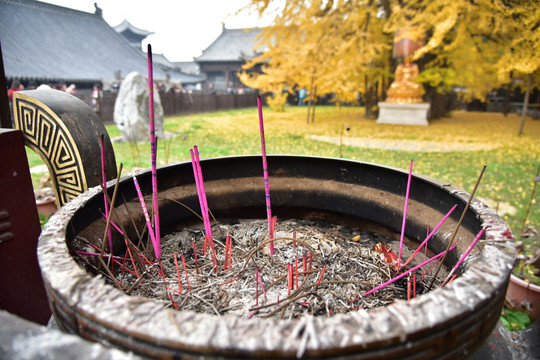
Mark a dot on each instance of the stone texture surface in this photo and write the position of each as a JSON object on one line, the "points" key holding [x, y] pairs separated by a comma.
{"points": [[132, 110], [21, 339]]}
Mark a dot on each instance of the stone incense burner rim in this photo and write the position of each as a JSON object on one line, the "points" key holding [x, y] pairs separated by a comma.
{"points": [[205, 333]]}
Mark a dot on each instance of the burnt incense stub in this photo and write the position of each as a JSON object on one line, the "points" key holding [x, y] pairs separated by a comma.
{"points": [[447, 323]]}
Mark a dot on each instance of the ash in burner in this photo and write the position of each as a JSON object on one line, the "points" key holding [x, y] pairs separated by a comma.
{"points": [[317, 268]]}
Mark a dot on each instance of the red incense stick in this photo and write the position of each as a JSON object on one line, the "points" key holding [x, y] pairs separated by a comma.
{"points": [[177, 273], [262, 285], [185, 270], [290, 278], [304, 265], [228, 246], [230, 251], [265, 171], [296, 270], [414, 285], [320, 277], [131, 257], [195, 253]]}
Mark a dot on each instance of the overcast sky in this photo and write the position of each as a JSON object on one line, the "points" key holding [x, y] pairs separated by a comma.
{"points": [[182, 28]]}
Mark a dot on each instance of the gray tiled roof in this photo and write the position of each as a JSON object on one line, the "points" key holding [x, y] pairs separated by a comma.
{"points": [[188, 67], [232, 45], [127, 26], [51, 43]]}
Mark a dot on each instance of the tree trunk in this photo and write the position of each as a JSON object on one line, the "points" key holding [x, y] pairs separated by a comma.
{"points": [[370, 97], [310, 96], [525, 104], [507, 96]]}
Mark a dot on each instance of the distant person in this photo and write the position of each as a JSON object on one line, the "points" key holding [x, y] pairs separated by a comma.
{"points": [[211, 88], [15, 86], [71, 89], [60, 87], [302, 93], [96, 98]]}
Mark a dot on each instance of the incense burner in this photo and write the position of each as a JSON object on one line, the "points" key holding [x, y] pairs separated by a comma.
{"points": [[446, 323]]}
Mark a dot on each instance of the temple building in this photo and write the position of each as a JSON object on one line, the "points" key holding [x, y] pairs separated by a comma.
{"points": [[44, 43], [133, 34], [223, 59]]}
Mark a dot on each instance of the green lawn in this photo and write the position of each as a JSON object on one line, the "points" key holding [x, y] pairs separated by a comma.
{"points": [[511, 160]]}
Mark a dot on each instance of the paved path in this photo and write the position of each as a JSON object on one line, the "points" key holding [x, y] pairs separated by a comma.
{"points": [[405, 145]]}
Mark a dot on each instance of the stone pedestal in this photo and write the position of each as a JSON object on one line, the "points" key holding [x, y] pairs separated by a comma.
{"points": [[403, 114]]}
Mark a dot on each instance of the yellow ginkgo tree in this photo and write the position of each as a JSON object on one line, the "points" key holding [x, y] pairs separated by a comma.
{"points": [[318, 46], [344, 47]]}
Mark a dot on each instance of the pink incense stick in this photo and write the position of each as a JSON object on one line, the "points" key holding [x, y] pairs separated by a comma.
{"points": [[405, 273], [265, 171], [199, 191], [432, 266], [405, 214], [430, 235], [464, 256], [145, 212], [132, 244], [104, 181], [199, 181], [203, 192], [153, 148], [425, 255]]}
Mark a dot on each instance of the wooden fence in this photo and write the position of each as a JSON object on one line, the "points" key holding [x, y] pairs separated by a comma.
{"points": [[180, 103]]}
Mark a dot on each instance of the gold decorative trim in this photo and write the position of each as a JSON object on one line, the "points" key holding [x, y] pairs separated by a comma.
{"points": [[46, 134]]}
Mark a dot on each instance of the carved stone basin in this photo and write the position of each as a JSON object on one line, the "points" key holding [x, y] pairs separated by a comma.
{"points": [[446, 323]]}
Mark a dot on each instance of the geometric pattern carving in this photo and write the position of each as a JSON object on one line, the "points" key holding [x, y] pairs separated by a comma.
{"points": [[47, 135]]}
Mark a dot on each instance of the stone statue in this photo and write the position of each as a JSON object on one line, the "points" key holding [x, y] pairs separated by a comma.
{"points": [[405, 89]]}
